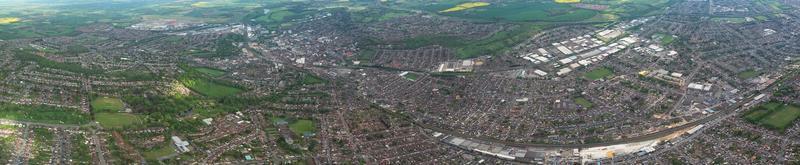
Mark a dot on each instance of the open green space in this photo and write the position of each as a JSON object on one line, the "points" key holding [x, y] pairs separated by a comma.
{"points": [[599, 73], [209, 87], [42, 114], [583, 102], [522, 11], [750, 73], [107, 104], [782, 118], [370, 15], [210, 71], [302, 126], [411, 76], [773, 115], [157, 153], [116, 119], [495, 44], [201, 82], [664, 39], [310, 79], [298, 126], [761, 18], [28, 56]]}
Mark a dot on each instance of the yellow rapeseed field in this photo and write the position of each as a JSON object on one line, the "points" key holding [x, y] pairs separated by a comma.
{"points": [[8, 20], [465, 6], [568, 1], [201, 4]]}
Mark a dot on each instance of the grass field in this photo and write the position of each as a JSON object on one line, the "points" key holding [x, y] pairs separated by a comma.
{"points": [[42, 114], [116, 120], [548, 11], [302, 126], [107, 104], [750, 73], [665, 39], [465, 6], [309, 79], [411, 76], [493, 45], [210, 71], [761, 18], [782, 118], [155, 154], [773, 115], [583, 102], [599, 73], [209, 88]]}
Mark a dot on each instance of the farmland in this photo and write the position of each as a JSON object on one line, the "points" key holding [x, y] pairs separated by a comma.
{"points": [[465, 6], [8, 20]]}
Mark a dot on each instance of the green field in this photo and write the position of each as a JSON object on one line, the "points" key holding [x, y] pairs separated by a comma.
{"points": [[665, 39], [210, 71], [107, 104], [298, 126], [522, 11], [411, 76], [465, 49], [583, 102], [750, 73], [309, 79], [599, 73], [157, 153], [773, 115], [42, 114], [117, 120], [210, 88], [302, 126]]}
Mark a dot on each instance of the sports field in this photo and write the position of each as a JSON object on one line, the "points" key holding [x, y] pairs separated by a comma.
{"points": [[411, 76], [665, 39], [301, 127], [155, 154], [209, 88], [750, 73], [107, 104], [116, 120], [583, 102], [774, 115], [599, 73]]}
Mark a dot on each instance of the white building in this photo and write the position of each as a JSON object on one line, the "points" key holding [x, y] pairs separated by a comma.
{"points": [[182, 146]]}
